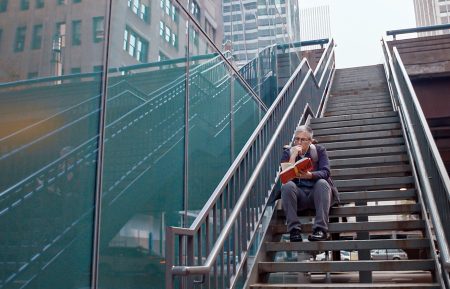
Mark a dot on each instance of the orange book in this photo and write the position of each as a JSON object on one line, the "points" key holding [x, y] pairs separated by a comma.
{"points": [[291, 171]]}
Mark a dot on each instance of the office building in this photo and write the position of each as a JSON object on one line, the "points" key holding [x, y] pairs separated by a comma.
{"points": [[432, 12]]}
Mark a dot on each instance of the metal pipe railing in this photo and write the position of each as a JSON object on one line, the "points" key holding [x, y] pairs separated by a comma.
{"points": [[434, 180], [394, 33], [240, 198]]}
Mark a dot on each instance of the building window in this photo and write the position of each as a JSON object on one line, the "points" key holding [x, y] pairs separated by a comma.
{"points": [[61, 32], [24, 4], [98, 68], [75, 70], [32, 75], [209, 29], [136, 46], [39, 4], [194, 36], [19, 44], [169, 9], [3, 5], [98, 29], [161, 28], [76, 32], [76, 1], [61, 2], [142, 10], [195, 10], [36, 41]]}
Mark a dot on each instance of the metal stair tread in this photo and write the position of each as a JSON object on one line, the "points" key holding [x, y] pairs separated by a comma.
{"points": [[348, 285], [372, 171], [357, 106], [348, 245], [351, 123], [368, 183], [356, 129], [380, 195], [354, 116], [360, 136], [350, 211], [357, 111], [346, 266], [365, 147], [410, 225], [367, 161]]}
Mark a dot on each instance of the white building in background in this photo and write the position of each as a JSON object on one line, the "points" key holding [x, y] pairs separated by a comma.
{"points": [[432, 12], [251, 25], [315, 23]]}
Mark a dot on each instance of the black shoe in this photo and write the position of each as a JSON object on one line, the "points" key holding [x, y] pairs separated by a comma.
{"points": [[318, 235], [295, 235]]}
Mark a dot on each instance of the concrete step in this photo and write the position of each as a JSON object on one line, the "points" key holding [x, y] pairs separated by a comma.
{"points": [[356, 129], [350, 123], [359, 136], [380, 195], [357, 111], [383, 285], [360, 116], [365, 147], [359, 162], [346, 266], [348, 245], [371, 184], [364, 94], [410, 225], [374, 172]]}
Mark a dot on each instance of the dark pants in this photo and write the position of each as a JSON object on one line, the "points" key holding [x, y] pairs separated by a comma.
{"points": [[296, 198]]}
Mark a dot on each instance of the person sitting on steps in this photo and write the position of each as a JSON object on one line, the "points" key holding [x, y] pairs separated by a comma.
{"points": [[311, 190]]}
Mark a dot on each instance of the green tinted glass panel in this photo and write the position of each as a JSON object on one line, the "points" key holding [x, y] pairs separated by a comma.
{"points": [[209, 121], [48, 155], [144, 154]]}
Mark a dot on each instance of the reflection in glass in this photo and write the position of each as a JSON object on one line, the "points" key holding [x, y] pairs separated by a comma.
{"points": [[48, 146]]}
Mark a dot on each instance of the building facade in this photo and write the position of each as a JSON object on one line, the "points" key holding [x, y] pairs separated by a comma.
{"points": [[432, 12], [251, 25], [66, 37], [315, 23]]}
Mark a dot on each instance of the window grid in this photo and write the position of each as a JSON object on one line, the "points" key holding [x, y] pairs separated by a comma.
{"points": [[3, 5], [19, 43], [36, 41], [24, 4], [98, 29], [40, 4], [76, 32], [135, 45]]}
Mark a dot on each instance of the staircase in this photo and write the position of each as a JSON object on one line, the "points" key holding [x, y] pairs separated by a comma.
{"points": [[380, 210]]}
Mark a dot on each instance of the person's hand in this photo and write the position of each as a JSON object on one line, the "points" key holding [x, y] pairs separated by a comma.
{"points": [[296, 150], [304, 175]]}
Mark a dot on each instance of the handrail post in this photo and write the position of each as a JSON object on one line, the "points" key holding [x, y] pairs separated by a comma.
{"points": [[170, 247]]}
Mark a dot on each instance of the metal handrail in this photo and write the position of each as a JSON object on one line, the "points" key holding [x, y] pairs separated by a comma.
{"points": [[417, 29], [242, 164], [420, 159]]}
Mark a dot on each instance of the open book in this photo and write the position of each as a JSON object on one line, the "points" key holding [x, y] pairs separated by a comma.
{"points": [[291, 171]]}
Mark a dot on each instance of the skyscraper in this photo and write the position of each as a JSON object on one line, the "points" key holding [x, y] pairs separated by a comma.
{"points": [[315, 23], [432, 12], [251, 25]]}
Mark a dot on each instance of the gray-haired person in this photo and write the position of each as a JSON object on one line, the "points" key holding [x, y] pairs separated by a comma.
{"points": [[311, 190]]}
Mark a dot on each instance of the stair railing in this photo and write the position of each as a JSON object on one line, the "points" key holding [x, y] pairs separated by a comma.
{"points": [[213, 251], [434, 182]]}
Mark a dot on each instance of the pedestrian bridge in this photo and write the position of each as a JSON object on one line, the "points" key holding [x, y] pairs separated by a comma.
{"points": [[183, 157]]}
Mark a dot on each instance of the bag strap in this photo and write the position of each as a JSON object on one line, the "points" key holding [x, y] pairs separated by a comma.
{"points": [[313, 153]]}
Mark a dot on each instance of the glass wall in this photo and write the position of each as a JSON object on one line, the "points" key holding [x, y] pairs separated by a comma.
{"points": [[176, 116], [49, 109]]}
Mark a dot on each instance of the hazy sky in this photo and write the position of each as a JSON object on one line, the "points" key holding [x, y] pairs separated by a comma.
{"points": [[358, 26]]}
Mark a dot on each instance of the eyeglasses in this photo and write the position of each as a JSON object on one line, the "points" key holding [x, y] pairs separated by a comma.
{"points": [[302, 139]]}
